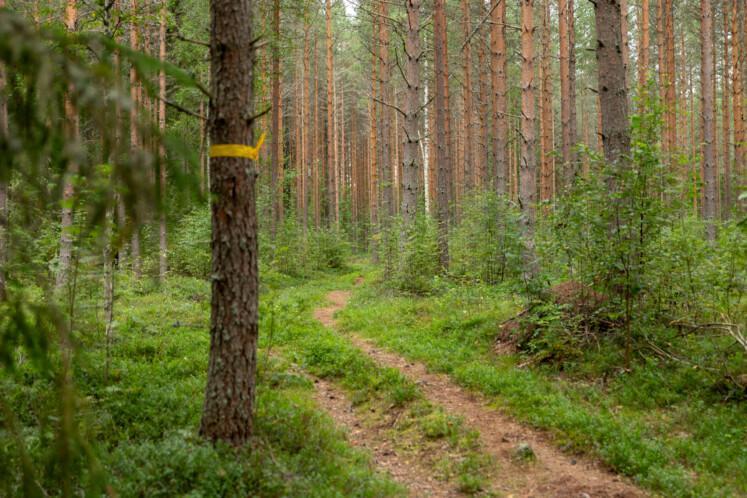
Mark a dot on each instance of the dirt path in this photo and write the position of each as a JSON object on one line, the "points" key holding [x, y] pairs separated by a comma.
{"points": [[552, 474]]}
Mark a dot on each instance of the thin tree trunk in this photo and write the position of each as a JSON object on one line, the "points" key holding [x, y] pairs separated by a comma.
{"points": [[442, 144], [670, 101], [484, 114], [737, 102], [499, 74], [230, 390], [528, 164], [276, 173], [410, 152], [162, 231], [3, 184], [469, 135], [68, 193], [546, 115], [644, 47], [708, 119], [134, 134], [331, 159], [725, 116], [307, 133]]}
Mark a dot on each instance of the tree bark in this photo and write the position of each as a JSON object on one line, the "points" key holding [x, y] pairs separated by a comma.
{"points": [[230, 390], [331, 156], [725, 116], [737, 98], [3, 183], [162, 231], [410, 152], [68, 192], [276, 173], [499, 64], [546, 117], [644, 47], [612, 90], [528, 163], [134, 134], [468, 159], [708, 117], [442, 144]]}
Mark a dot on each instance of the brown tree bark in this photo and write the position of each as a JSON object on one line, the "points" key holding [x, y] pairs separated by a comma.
{"points": [[725, 115], [442, 142], [708, 117], [68, 192], [3, 182], [670, 94], [740, 148], [276, 174], [567, 89], [645, 43], [230, 390], [410, 151], [499, 74], [385, 116], [484, 111], [546, 112], [624, 37], [162, 230], [612, 88], [331, 156], [307, 136], [469, 131], [528, 162], [135, 142]]}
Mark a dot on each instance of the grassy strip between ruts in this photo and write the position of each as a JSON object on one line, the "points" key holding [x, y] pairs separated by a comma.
{"points": [[684, 447], [382, 396]]}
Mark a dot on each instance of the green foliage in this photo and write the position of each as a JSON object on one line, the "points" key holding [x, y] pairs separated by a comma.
{"points": [[410, 254], [189, 253], [486, 245]]}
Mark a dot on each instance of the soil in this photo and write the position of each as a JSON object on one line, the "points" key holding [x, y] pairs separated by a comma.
{"points": [[552, 473]]}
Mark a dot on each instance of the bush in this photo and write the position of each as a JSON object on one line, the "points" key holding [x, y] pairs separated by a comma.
{"points": [[189, 251]]}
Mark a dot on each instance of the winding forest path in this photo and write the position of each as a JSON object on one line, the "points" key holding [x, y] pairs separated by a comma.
{"points": [[552, 474]]}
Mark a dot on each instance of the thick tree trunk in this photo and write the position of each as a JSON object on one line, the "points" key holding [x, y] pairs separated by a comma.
{"points": [[162, 233], [410, 152], [528, 163], [499, 74], [612, 90], [68, 192], [442, 144], [708, 117], [230, 390]]}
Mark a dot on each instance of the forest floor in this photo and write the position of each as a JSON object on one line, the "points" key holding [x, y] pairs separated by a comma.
{"points": [[525, 463]]}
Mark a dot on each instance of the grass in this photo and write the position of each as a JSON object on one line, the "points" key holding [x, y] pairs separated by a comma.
{"points": [[656, 423], [140, 424]]}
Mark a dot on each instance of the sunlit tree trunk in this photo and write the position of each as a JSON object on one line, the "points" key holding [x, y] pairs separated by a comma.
{"points": [[68, 192], [528, 162], [230, 390], [708, 118], [442, 143]]}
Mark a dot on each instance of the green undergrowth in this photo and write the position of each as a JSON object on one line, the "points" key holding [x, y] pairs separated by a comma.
{"points": [[381, 395], [656, 422], [140, 423]]}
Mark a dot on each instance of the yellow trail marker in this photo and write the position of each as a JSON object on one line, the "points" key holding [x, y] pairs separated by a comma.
{"points": [[236, 150]]}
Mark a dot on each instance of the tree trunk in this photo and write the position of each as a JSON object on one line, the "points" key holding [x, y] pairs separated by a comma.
{"points": [[469, 133], [276, 173], [528, 164], [3, 183], [442, 145], [708, 117], [134, 134], [68, 192], [307, 134], [162, 233], [643, 53], [612, 90], [499, 74], [546, 117], [229, 394], [725, 116], [670, 100], [331, 163], [410, 152], [484, 110], [737, 102]]}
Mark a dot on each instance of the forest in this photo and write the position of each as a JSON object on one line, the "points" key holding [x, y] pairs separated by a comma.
{"points": [[373, 248]]}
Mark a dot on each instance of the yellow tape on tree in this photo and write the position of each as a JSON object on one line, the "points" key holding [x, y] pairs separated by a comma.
{"points": [[235, 150]]}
